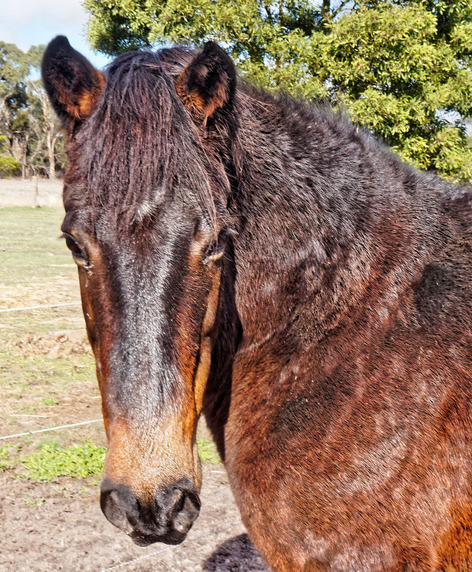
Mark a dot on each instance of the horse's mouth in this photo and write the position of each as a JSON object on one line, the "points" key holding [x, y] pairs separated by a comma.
{"points": [[173, 537], [173, 531]]}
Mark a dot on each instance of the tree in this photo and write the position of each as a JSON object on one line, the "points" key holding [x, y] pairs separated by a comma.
{"points": [[268, 40], [13, 100], [13, 70], [45, 119], [8, 165], [27, 123], [402, 68]]}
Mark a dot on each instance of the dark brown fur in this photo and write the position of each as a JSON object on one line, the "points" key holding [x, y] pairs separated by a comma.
{"points": [[330, 347]]}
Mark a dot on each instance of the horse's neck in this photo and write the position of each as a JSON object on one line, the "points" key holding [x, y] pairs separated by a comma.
{"points": [[333, 233], [319, 227]]}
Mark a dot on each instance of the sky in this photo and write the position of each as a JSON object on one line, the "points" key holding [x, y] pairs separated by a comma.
{"points": [[31, 22]]}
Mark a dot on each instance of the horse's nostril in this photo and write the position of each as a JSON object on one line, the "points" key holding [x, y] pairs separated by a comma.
{"points": [[188, 510], [168, 519], [178, 500], [180, 504], [112, 508]]}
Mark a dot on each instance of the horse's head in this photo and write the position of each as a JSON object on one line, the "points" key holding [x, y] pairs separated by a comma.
{"points": [[146, 222]]}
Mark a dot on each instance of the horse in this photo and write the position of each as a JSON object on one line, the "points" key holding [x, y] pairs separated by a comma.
{"points": [[269, 264]]}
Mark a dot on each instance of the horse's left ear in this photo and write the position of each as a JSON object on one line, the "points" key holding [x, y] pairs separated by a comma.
{"points": [[208, 83], [72, 83]]}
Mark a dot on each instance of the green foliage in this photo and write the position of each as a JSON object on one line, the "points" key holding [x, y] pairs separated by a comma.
{"points": [[14, 68], [49, 401], [34, 503], [398, 76], [399, 66], [27, 122], [269, 44], [9, 166], [80, 460], [52, 461], [4, 455]]}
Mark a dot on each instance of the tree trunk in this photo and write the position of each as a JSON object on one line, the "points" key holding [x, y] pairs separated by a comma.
{"points": [[51, 140]]}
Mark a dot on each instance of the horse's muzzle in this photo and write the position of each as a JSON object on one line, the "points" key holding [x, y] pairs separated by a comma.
{"points": [[167, 519]]}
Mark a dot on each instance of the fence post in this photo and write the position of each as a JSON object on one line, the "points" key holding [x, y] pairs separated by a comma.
{"points": [[34, 180]]}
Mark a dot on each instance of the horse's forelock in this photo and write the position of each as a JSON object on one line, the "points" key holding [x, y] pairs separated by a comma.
{"points": [[140, 147]]}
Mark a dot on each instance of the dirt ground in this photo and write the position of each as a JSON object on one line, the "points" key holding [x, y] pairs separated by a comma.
{"points": [[47, 379], [59, 526]]}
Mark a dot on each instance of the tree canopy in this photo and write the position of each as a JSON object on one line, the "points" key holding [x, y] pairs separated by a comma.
{"points": [[402, 68]]}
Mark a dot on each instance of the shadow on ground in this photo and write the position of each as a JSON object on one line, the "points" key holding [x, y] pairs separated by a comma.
{"points": [[235, 555]]}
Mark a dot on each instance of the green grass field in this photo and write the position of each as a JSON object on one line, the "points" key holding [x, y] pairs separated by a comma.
{"points": [[35, 269], [47, 372]]}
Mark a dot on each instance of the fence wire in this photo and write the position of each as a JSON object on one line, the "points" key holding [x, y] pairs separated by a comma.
{"points": [[50, 429], [40, 307]]}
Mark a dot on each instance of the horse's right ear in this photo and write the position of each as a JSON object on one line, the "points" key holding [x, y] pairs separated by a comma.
{"points": [[72, 83], [208, 83]]}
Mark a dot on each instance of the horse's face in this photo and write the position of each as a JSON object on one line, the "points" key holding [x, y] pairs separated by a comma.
{"points": [[150, 304], [149, 274]]}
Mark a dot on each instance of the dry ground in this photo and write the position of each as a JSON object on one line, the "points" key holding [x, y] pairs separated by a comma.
{"points": [[59, 526]]}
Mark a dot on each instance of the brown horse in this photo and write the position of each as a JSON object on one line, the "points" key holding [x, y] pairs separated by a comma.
{"points": [[267, 263]]}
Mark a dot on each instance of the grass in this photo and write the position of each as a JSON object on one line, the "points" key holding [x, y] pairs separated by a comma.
{"points": [[35, 269], [4, 456], [47, 372], [49, 401], [47, 375], [30, 242], [38, 374], [208, 452], [33, 503], [51, 387], [82, 460], [53, 461]]}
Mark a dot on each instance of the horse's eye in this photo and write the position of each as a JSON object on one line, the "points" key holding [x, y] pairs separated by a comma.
{"points": [[77, 252], [216, 251]]}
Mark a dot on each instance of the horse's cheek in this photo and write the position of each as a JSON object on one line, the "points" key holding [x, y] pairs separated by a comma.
{"points": [[97, 310], [207, 341]]}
